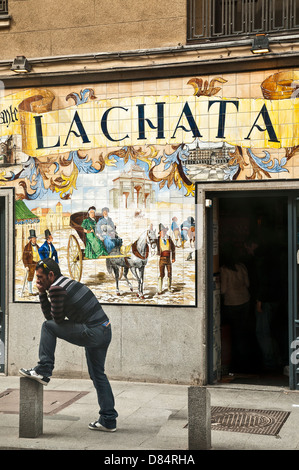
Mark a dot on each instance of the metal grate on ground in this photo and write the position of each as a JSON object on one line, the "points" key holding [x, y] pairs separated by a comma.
{"points": [[264, 422]]}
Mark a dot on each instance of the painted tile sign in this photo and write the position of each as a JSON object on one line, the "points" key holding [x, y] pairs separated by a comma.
{"points": [[104, 182]]}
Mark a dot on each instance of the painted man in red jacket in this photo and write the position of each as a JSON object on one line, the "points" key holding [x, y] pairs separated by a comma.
{"points": [[31, 258], [166, 251]]}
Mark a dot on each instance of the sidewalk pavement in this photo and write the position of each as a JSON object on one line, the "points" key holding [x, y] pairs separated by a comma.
{"points": [[151, 417]]}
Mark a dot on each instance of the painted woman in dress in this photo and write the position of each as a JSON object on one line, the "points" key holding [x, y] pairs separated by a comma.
{"points": [[94, 246]]}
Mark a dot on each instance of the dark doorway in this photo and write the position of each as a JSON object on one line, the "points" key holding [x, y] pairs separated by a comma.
{"points": [[259, 222]]}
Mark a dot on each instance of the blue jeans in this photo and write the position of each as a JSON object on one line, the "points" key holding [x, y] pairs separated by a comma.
{"points": [[95, 340]]}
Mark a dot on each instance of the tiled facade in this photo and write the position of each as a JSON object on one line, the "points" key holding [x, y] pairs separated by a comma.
{"points": [[137, 146]]}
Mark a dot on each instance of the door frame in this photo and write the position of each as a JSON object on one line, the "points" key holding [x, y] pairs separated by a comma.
{"points": [[2, 284], [293, 263], [205, 193], [7, 227]]}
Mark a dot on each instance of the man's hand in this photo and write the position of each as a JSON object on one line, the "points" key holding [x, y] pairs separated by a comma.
{"points": [[41, 290]]}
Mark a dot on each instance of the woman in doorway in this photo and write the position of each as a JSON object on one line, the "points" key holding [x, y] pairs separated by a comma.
{"points": [[236, 301]]}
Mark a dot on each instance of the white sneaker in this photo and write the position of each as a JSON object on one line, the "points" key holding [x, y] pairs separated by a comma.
{"points": [[32, 374], [99, 427]]}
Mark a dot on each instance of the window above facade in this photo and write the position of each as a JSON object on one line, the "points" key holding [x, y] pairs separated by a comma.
{"points": [[216, 19], [4, 16], [3, 7]]}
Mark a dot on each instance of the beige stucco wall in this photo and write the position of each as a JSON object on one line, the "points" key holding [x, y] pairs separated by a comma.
{"points": [[40, 28], [149, 344], [118, 36]]}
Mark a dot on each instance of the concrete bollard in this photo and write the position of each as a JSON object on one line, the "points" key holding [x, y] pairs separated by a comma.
{"points": [[199, 418], [31, 408]]}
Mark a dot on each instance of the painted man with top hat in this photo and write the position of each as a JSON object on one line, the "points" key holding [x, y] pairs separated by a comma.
{"points": [[94, 247], [166, 251], [48, 250], [30, 259]]}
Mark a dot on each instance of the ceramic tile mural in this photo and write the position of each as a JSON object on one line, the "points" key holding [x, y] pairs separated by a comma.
{"points": [[108, 172]]}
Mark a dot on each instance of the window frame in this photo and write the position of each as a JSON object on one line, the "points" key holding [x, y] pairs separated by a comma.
{"points": [[203, 12], [3, 8]]}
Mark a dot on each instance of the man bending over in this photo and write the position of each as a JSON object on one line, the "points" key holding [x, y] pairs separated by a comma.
{"points": [[74, 314]]}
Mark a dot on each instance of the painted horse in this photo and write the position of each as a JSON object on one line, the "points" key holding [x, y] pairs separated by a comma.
{"points": [[136, 262]]}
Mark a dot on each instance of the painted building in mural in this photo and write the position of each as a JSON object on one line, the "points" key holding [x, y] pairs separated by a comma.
{"points": [[117, 167]]}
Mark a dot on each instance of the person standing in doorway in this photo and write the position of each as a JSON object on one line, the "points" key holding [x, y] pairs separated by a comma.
{"points": [[236, 301], [267, 305], [74, 314]]}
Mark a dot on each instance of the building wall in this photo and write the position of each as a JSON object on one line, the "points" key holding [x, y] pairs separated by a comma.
{"points": [[162, 338], [147, 345], [40, 29], [159, 344], [147, 332], [128, 50]]}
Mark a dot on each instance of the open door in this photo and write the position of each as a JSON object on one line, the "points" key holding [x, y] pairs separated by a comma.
{"points": [[236, 215], [213, 301]]}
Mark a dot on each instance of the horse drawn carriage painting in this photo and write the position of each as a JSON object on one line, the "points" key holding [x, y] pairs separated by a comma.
{"points": [[118, 262], [130, 272], [116, 234]]}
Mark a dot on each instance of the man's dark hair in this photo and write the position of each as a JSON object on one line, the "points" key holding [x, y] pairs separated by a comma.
{"points": [[47, 265]]}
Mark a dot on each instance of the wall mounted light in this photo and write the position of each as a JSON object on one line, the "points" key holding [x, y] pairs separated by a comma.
{"points": [[21, 65], [260, 44]]}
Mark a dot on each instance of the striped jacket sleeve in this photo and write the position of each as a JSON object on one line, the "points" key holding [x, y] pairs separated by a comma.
{"points": [[53, 306], [57, 295], [45, 305]]}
